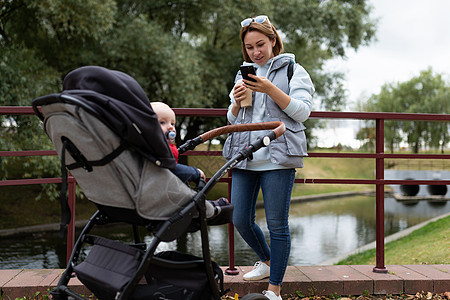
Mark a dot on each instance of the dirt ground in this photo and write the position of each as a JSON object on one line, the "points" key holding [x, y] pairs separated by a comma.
{"points": [[418, 296]]}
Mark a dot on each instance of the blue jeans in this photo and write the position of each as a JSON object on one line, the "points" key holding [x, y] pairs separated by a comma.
{"points": [[276, 186]]}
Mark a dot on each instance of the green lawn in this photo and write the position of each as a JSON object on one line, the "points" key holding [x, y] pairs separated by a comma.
{"points": [[427, 245]]}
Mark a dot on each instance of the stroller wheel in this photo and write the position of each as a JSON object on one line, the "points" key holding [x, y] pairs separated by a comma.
{"points": [[254, 296]]}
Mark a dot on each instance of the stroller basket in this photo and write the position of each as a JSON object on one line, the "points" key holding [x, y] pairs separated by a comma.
{"points": [[110, 265], [178, 275]]}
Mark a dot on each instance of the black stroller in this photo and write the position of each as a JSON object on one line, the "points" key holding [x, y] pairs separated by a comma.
{"points": [[106, 133]]}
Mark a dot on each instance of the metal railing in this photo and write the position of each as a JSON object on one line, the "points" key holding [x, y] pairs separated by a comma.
{"points": [[379, 157]]}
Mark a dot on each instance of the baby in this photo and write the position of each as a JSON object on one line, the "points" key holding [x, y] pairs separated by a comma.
{"points": [[166, 118]]}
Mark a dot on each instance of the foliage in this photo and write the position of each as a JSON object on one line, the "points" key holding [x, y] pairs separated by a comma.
{"points": [[23, 77], [367, 134], [426, 93], [185, 53]]}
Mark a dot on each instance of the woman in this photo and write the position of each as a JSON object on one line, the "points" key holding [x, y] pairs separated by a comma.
{"points": [[276, 97]]}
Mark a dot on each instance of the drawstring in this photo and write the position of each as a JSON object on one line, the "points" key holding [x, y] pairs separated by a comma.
{"points": [[270, 67], [267, 74]]}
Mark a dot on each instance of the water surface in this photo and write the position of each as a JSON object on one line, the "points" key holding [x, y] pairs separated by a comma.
{"points": [[320, 230]]}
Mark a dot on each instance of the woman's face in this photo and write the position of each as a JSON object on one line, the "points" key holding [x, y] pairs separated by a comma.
{"points": [[259, 47]]}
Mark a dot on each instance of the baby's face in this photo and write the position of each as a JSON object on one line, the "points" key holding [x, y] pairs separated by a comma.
{"points": [[166, 118]]}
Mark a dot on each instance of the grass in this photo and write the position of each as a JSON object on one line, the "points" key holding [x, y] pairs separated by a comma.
{"points": [[334, 168], [427, 245]]}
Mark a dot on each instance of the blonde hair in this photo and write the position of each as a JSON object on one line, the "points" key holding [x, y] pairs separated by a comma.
{"points": [[158, 106], [268, 30]]}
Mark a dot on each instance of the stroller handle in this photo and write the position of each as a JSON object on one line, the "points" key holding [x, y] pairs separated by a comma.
{"points": [[277, 127]]}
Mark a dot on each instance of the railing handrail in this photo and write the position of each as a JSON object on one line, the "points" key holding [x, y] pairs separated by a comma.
{"points": [[379, 156], [221, 112]]}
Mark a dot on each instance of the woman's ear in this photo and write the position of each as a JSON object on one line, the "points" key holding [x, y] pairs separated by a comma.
{"points": [[274, 41]]}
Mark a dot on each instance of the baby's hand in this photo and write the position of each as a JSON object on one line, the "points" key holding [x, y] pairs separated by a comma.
{"points": [[202, 175]]}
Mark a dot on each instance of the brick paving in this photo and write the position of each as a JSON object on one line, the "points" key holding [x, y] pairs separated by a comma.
{"points": [[306, 280]]}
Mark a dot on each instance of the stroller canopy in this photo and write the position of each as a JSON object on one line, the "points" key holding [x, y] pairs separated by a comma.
{"points": [[123, 105], [97, 112]]}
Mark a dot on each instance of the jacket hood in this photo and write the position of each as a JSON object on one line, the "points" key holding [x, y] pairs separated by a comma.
{"points": [[279, 59]]}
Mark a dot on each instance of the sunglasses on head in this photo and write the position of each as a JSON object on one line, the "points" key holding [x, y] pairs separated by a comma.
{"points": [[259, 19]]}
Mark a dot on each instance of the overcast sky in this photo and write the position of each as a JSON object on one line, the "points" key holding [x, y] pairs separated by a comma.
{"points": [[412, 35]]}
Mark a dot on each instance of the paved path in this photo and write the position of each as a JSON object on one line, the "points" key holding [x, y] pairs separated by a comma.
{"points": [[306, 280]]}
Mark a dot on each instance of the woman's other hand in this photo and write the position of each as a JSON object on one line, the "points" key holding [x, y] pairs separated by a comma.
{"points": [[261, 85], [264, 85], [239, 93]]}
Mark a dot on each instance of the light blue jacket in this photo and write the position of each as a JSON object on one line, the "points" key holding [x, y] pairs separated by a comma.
{"points": [[288, 150]]}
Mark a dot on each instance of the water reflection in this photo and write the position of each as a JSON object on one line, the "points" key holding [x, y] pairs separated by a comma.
{"points": [[320, 231]]}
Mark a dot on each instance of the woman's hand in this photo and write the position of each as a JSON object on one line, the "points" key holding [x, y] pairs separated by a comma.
{"points": [[239, 93], [262, 84]]}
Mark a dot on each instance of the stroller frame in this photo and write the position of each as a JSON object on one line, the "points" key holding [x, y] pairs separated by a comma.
{"points": [[163, 231]]}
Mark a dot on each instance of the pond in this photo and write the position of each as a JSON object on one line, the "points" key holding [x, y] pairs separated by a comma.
{"points": [[320, 230]]}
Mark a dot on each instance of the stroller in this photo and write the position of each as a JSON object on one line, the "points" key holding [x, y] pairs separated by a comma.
{"points": [[107, 135]]}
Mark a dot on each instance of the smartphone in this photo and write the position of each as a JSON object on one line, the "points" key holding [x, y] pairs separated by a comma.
{"points": [[245, 70]]}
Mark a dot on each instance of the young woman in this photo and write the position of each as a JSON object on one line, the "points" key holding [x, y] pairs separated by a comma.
{"points": [[277, 96]]}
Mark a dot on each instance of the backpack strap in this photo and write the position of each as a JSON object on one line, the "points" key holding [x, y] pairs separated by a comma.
{"points": [[290, 71]]}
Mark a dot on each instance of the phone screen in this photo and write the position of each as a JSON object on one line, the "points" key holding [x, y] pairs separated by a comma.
{"points": [[245, 70]]}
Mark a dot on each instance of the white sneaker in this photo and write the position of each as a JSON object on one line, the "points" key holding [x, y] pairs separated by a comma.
{"points": [[260, 271], [271, 295]]}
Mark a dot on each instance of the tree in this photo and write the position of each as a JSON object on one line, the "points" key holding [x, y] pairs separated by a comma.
{"points": [[386, 102], [183, 52], [367, 136], [426, 93], [438, 134]]}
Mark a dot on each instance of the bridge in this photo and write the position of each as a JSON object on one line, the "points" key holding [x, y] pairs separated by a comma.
{"points": [[307, 280]]}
